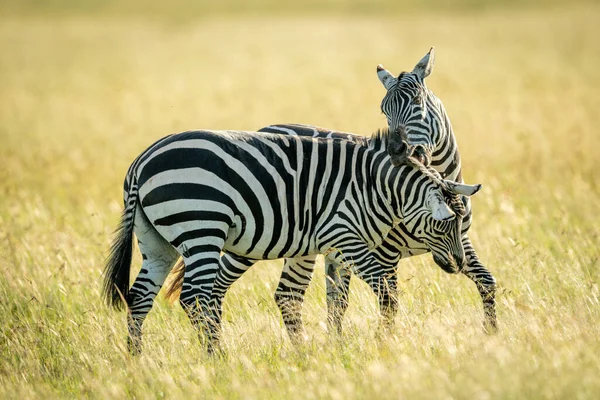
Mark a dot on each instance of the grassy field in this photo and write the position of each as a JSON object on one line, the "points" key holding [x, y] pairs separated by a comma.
{"points": [[83, 91]]}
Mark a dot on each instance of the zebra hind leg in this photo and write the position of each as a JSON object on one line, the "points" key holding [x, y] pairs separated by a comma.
{"points": [[158, 259], [486, 285], [194, 299], [289, 296], [231, 267], [201, 257]]}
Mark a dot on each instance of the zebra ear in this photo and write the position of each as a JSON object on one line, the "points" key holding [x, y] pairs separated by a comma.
{"points": [[440, 210], [462, 188], [425, 66], [386, 77]]}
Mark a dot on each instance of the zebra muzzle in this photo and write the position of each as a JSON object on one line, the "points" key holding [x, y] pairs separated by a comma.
{"points": [[449, 264]]}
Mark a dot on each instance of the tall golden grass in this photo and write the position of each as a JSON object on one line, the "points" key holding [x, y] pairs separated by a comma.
{"points": [[82, 94]]}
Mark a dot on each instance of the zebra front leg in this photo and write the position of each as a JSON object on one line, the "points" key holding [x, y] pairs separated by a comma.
{"points": [[388, 302], [338, 289], [231, 267], [377, 279], [384, 286], [289, 296], [486, 285], [383, 281], [158, 258]]}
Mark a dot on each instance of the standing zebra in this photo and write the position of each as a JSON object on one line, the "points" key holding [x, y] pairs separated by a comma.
{"points": [[411, 107], [408, 105], [264, 196], [297, 273]]}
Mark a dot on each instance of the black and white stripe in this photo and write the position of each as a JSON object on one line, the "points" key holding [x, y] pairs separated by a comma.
{"points": [[410, 106], [264, 196], [296, 274]]}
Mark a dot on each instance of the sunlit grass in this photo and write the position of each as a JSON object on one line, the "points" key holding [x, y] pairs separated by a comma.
{"points": [[81, 96]]}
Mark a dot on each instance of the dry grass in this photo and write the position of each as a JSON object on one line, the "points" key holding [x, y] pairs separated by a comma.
{"points": [[82, 96]]}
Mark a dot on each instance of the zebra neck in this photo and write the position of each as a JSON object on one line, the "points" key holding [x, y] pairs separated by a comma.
{"points": [[374, 190], [446, 158], [391, 191]]}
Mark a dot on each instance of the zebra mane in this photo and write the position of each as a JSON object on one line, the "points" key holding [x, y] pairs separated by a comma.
{"points": [[412, 79], [379, 139]]}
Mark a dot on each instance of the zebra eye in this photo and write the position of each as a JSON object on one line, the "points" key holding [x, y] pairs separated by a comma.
{"points": [[417, 99]]}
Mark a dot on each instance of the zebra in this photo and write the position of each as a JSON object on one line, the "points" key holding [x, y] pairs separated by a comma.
{"points": [[410, 107], [297, 273], [265, 196]]}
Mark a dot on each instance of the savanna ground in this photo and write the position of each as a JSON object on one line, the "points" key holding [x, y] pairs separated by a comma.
{"points": [[84, 90]]}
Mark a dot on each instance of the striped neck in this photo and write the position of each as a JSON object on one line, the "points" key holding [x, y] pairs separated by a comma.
{"points": [[445, 157]]}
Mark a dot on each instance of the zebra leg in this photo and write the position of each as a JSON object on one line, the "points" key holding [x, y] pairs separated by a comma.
{"points": [[389, 302], [231, 267], [289, 296], [158, 259], [486, 285], [382, 280], [384, 286], [195, 295], [379, 283], [201, 257], [338, 289]]}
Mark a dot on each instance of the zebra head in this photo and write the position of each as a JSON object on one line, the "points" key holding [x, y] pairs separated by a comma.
{"points": [[436, 219], [409, 105]]}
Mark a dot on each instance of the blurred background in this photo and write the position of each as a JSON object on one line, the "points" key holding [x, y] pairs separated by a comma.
{"points": [[85, 86]]}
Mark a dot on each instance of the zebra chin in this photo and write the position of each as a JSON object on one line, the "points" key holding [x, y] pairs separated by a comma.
{"points": [[450, 264]]}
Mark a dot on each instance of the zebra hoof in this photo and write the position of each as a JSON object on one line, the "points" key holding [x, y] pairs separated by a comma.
{"points": [[215, 351], [299, 338], [134, 346], [490, 327]]}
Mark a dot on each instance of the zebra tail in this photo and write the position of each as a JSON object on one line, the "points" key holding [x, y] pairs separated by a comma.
{"points": [[173, 287], [115, 289]]}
